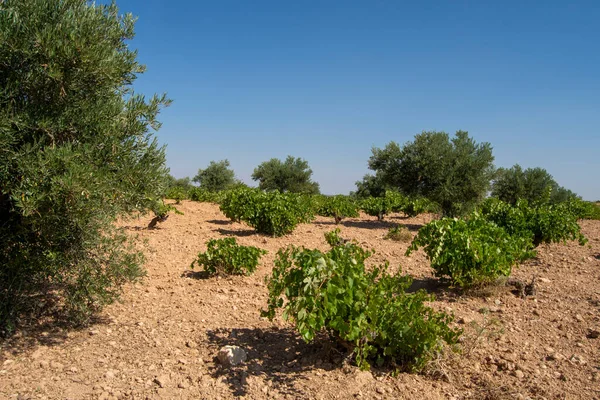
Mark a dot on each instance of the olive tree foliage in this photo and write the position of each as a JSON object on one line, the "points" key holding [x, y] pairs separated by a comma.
{"points": [[76, 152], [370, 186], [183, 183], [292, 175], [216, 177], [453, 172], [532, 184]]}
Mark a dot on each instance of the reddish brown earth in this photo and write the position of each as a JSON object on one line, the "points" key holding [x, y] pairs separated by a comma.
{"points": [[161, 340]]}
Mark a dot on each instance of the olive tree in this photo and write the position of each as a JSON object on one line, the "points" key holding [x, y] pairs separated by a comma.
{"points": [[216, 176], [453, 172], [292, 175], [532, 184], [76, 152]]}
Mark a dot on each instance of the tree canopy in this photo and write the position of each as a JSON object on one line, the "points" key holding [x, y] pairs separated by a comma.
{"points": [[455, 173], [76, 152], [292, 175], [532, 184], [217, 176]]}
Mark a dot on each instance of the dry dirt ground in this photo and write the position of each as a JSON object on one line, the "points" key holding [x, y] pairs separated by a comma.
{"points": [[161, 340]]}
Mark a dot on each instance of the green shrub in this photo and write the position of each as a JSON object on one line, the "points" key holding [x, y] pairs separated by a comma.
{"points": [[376, 207], [542, 223], [333, 238], [237, 204], [368, 312], [419, 205], [470, 252], [399, 234], [271, 213], [227, 257], [278, 214], [205, 196], [176, 193], [338, 207]]}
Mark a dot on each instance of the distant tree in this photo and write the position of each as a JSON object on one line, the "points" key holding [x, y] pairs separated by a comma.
{"points": [[292, 175], [455, 173], [184, 183], [76, 152], [370, 186], [533, 184], [217, 176]]}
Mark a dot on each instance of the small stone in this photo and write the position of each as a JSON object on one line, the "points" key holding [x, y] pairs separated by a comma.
{"points": [[44, 364], [519, 374], [544, 280], [56, 365], [579, 318], [109, 374], [191, 344], [497, 302], [593, 333], [465, 320], [183, 385], [231, 356], [161, 381], [380, 390], [94, 332]]}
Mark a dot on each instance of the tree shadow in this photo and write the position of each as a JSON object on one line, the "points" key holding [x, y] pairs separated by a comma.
{"points": [[412, 227], [200, 275], [278, 355], [49, 327], [597, 256], [240, 233], [363, 224], [220, 221], [440, 287], [135, 228]]}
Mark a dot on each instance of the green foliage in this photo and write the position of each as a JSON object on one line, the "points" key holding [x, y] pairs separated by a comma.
{"points": [[535, 185], [293, 175], [338, 207], [277, 214], [216, 177], [271, 213], [419, 205], [376, 207], [454, 173], [237, 204], [399, 234], [184, 183], [369, 312], [76, 152], [204, 196], [227, 257], [176, 193], [162, 209], [541, 223], [470, 252], [333, 238], [370, 186]]}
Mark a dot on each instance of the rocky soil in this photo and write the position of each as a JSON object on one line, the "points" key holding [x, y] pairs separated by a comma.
{"points": [[162, 340]]}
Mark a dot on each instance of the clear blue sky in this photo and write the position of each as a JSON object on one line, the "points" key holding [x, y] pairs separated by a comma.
{"points": [[327, 80]]}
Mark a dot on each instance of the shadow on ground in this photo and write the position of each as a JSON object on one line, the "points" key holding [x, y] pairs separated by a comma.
{"points": [[278, 355], [241, 233], [196, 275], [41, 328], [363, 224], [220, 221]]}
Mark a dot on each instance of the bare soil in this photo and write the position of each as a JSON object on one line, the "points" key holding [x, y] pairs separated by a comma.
{"points": [[162, 339]]}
